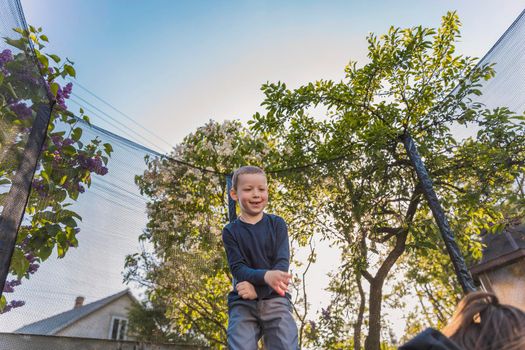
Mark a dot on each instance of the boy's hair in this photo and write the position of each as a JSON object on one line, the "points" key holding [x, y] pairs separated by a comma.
{"points": [[248, 169], [481, 322]]}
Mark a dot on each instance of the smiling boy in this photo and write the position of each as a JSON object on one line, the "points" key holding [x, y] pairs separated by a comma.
{"points": [[258, 254]]}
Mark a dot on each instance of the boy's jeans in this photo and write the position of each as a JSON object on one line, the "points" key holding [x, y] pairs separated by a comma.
{"points": [[270, 318]]}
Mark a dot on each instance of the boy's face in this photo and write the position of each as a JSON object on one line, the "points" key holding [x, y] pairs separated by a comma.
{"points": [[251, 193]]}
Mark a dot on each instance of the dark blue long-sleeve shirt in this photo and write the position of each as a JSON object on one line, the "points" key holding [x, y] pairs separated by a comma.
{"points": [[253, 249]]}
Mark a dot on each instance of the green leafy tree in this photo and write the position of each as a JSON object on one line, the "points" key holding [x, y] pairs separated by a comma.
{"points": [[416, 86], [28, 79], [148, 322]]}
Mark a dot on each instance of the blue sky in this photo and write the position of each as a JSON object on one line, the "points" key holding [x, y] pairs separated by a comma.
{"points": [[172, 65]]}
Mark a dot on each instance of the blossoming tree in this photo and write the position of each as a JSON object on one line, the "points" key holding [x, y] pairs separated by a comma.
{"points": [[30, 78]]}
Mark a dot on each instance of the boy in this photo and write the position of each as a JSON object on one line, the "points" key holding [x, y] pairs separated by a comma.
{"points": [[258, 254]]}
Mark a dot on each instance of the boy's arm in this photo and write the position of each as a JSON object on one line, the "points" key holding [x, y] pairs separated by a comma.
{"points": [[278, 277], [282, 257], [238, 267]]}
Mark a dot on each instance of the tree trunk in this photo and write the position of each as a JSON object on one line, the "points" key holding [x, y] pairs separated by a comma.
{"points": [[359, 322], [373, 340]]}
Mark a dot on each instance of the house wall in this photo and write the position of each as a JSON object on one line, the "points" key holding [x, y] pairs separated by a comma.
{"points": [[508, 283], [14, 341], [98, 323]]}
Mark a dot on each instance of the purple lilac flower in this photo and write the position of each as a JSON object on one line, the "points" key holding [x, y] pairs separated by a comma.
{"points": [[8, 288], [26, 240], [10, 285], [5, 56], [39, 187], [17, 303], [13, 304], [57, 157], [31, 257], [94, 164], [63, 94], [57, 140], [68, 142], [66, 91], [33, 268], [21, 110]]}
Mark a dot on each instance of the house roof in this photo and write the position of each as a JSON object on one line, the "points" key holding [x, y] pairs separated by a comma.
{"points": [[54, 324]]}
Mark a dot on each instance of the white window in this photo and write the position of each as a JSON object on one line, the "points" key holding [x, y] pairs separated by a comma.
{"points": [[118, 328]]}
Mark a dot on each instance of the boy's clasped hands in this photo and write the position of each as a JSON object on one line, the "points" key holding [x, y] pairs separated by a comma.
{"points": [[276, 279]]}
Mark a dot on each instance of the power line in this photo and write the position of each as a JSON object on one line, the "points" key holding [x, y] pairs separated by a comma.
{"points": [[103, 118], [122, 113], [114, 119]]}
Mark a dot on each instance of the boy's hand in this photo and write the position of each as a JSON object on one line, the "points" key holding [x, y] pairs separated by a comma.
{"points": [[246, 290], [278, 280]]}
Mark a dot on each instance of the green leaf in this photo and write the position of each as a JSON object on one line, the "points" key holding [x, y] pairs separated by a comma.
{"points": [[61, 251], [71, 213], [1, 78], [86, 119], [77, 134], [108, 148], [44, 38], [3, 302], [63, 180], [45, 251], [11, 90], [19, 44], [70, 70], [55, 58], [73, 195], [54, 88], [52, 230], [19, 263], [60, 196], [43, 59], [45, 176], [69, 221], [69, 150]]}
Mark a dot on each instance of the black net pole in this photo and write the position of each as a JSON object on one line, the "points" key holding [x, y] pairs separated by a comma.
{"points": [[465, 279], [232, 214], [16, 200]]}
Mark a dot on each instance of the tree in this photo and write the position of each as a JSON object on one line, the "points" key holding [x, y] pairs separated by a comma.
{"points": [[187, 268], [414, 84], [148, 323], [28, 79]]}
